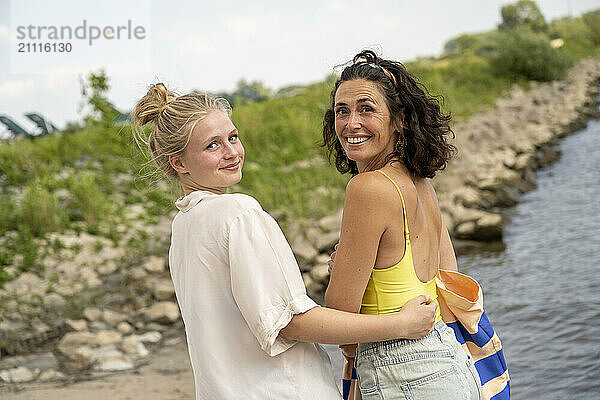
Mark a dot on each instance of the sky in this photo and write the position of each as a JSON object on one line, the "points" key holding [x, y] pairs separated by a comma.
{"points": [[210, 45]]}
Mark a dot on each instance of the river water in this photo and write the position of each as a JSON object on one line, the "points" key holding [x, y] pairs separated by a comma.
{"points": [[542, 290]]}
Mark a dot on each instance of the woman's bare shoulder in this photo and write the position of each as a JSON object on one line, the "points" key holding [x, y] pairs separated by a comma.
{"points": [[371, 189]]}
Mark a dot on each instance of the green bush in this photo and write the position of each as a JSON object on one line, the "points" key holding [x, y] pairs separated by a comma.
{"points": [[592, 21], [90, 204], [40, 211], [523, 54], [577, 36], [523, 13]]}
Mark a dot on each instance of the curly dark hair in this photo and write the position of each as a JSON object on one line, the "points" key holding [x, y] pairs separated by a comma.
{"points": [[424, 125]]}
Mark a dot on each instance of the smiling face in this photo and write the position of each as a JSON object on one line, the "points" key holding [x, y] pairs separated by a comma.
{"points": [[213, 158], [363, 124]]}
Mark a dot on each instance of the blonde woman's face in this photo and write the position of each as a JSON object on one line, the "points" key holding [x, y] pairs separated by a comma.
{"points": [[214, 156]]}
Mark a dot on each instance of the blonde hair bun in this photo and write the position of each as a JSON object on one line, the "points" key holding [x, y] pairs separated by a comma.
{"points": [[149, 108]]}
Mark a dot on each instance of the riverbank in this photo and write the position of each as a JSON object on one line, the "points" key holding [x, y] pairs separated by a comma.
{"points": [[122, 313], [500, 150]]}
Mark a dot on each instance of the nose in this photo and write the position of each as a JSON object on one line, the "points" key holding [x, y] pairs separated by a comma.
{"points": [[229, 150], [354, 121]]}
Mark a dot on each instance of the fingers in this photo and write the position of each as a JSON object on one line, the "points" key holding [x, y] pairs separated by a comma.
{"points": [[422, 299], [331, 261]]}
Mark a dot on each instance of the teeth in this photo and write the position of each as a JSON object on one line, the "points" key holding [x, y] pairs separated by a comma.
{"points": [[354, 140]]}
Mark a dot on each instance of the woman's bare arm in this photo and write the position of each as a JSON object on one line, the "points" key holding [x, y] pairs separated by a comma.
{"points": [[447, 255], [365, 217], [324, 325]]}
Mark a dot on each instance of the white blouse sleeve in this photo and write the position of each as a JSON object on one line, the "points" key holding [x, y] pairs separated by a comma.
{"points": [[265, 279]]}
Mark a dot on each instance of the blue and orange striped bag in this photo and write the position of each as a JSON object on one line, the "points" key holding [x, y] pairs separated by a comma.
{"points": [[461, 305]]}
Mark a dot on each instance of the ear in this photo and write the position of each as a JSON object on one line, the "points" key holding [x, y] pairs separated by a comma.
{"points": [[177, 164], [398, 122]]}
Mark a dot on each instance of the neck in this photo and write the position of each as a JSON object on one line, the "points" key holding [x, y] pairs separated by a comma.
{"points": [[375, 163], [189, 187]]}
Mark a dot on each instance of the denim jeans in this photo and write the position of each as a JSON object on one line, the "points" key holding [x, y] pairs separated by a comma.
{"points": [[433, 367]]}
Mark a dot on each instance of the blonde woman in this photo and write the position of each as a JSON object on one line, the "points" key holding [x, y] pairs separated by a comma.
{"points": [[248, 320]]}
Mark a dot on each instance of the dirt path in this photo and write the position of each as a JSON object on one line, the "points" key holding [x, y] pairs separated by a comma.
{"points": [[167, 376]]}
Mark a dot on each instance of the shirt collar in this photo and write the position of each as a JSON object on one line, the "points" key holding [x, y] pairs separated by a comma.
{"points": [[186, 203]]}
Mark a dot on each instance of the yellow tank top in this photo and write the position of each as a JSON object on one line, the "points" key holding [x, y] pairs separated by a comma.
{"points": [[390, 288]]}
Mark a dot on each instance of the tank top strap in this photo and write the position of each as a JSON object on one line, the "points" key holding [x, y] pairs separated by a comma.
{"points": [[406, 234]]}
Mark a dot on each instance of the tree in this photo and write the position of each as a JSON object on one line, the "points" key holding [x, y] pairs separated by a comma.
{"points": [[94, 90], [592, 20], [524, 54], [523, 13], [250, 91]]}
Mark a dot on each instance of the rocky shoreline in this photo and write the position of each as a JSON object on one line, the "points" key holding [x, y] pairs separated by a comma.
{"points": [[110, 313], [500, 150]]}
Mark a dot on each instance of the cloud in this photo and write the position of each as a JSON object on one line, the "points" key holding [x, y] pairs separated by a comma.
{"points": [[17, 88], [4, 33]]}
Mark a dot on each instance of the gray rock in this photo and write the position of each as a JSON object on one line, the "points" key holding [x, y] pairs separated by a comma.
{"points": [[465, 230], [92, 314], [332, 223], [326, 241], [462, 215], [506, 196], [154, 264], [113, 318], [525, 161], [50, 375], [40, 362], [163, 289], [304, 251], [153, 326], [104, 338], [320, 273], [313, 288], [72, 339], [164, 312], [150, 337], [54, 301], [26, 283], [78, 325], [98, 326], [124, 328], [322, 258], [90, 277], [489, 227], [137, 273], [112, 360], [17, 375], [107, 267], [133, 347], [78, 357]]}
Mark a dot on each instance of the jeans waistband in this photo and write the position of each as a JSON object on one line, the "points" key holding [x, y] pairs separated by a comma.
{"points": [[377, 347]]}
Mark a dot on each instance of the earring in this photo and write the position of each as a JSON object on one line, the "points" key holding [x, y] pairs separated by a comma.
{"points": [[401, 143]]}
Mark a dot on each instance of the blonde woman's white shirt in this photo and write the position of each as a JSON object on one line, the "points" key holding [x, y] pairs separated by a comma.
{"points": [[237, 285]]}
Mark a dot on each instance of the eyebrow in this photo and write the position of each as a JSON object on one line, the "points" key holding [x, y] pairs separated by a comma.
{"points": [[210, 139], [363, 100]]}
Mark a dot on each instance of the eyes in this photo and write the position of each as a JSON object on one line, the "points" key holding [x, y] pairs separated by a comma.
{"points": [[233, 138], [341, 111]]}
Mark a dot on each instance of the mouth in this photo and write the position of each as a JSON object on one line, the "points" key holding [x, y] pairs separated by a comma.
{"points": [[357, 140], [232, 167]]}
